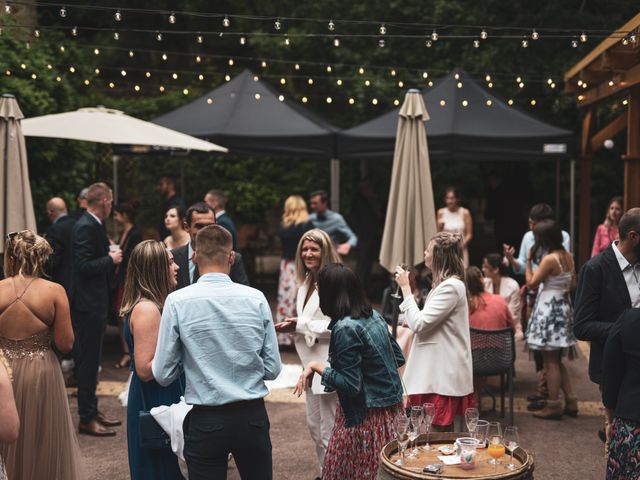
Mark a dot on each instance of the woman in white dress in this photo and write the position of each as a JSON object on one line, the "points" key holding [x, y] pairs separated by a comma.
{"points": [[456, 219], [315, 250], [498, 282], [550, 328]]}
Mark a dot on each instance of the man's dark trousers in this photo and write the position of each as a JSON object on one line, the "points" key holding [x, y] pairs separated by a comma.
{"points": [[211, 433]]}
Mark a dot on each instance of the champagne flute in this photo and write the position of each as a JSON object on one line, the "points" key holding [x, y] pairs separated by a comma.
{"points": [[416, 419], [496, 447], [511, 441], [429, 411], [404, 266], [471, 417], [401, 426]]}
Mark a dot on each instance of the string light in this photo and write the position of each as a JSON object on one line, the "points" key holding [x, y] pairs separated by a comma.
{"points": [[510, 102], [283, 81], [396, 102], [434, 36], [329, 69], [425, 75], [490, 84], [465, 103], [483, 34], [367, 83], [331, 26], [381, 43], [574, 43], [34, 76], [97, 70], [525, 43], [174, 76], [263, 64], [7, 9], [339, 82], [123, 73], [489, 103], [158, 36], [521, 84], [361, 71], [227, 78], [36, 33], [62, 48], [305, 99], [583, 37], [185, 91], [230, 62], [116, 36], [131, 54], [164, 57], [199, 39], [382, 29], [456, 76], [117, 16], [281, 98], [226, 23], [476, 43], [329, 100], [401, 84], [374, 101], [287, 42], [172, 18], [443, 103], [136, 88], [428, 44], [277, 25], [625, 41], [161, 88], [243, 40], [257, 96], [72, 69], [459, 85], [198, 59], [297, 66], [256, 78], [393, 73], [209, 100], [535, 35], [111, 84], [62, 12], [336, 42], [96, 51], [351, 101], [310, 81], [487, 78], [611, 83]]}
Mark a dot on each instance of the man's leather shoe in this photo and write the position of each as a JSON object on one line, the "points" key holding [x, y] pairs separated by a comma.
{"points": [[107, 422], [95, 429]]}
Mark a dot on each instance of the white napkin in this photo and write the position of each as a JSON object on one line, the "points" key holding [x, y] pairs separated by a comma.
{"points": [[449, 459]]}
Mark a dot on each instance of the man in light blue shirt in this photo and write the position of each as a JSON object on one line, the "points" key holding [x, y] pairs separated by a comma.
{"points": [[332, 223], [221, 333]]}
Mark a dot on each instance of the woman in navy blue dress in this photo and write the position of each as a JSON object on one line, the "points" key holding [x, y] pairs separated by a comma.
{"points": [[151, 276]]}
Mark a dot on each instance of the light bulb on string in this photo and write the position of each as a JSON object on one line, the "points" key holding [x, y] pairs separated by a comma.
{"points": [[227, 78], [117, 16], [230, 62], [361, 71], [487, 78], [329, 69], [382, 29], [283, 81], [525, 43], [367, 83], [535, 35], [131, 53], [158, 36], [393, 73], [263, 64], [199, 39], [174, 76], [226, 23], [476, 43], [490, 84], [331, 26], [336, 42], [381, 43], [456, 76], [123, 73], [277, 24], [428, 44], [425, 75], [632, 37], [351, 101], [401, 84], [7, 9], [63, 11], [36, 33], [583, 37], [172, 18], [281, 98], [97, 70], [148, 74], [339, 82], [62, 48], [287, 41], [574, 43], [164, 57], [434, 35], [201, 77], [243, 41], [484, 34], [310, 81], [198, 59], [116, 36], [297, 66], [96, 51], [74, 31], [329, 100]]}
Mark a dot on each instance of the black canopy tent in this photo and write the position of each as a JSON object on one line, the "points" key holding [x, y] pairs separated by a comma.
{"points": [[467, 123]]}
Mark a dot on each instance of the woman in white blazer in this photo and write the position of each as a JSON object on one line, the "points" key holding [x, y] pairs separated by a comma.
{"points": [[439, 368], [315, 250]]}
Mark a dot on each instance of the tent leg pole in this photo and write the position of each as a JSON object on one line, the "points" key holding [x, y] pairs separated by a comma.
{"points": [[558, 190], [335, 184], [572, 203]]}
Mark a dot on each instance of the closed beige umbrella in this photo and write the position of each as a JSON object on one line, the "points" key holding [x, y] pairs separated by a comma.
{"points": [[16, 204], [411, 218]]}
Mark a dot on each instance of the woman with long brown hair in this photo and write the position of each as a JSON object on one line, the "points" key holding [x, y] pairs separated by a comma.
{"points": [[439, 368], [34, 312], [607, 231], [151, 276]]}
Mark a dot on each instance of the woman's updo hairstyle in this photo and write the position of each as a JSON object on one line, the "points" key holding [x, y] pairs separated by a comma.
{"points": [[25, 253]]}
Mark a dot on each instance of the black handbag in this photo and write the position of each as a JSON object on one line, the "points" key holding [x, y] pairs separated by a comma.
{"points": [[150, 433]]}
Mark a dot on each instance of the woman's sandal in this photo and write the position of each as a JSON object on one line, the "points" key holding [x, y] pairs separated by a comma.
{"points": [[124, 361]]}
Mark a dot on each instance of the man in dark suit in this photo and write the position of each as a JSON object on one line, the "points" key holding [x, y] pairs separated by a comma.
{"points": [[93, 282], [198, 216], [217, 200], [58, 234], [608, 285]]}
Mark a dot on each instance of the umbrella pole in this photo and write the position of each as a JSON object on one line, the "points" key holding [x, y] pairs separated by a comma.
{"points": [[115, 178], [335, 184]]}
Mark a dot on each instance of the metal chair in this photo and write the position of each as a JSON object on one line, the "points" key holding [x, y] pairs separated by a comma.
{"points": [[494, 353]]}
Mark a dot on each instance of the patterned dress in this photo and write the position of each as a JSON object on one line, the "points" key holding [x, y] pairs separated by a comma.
{"points": [[624, 450], [551, 324], [354, 453]]}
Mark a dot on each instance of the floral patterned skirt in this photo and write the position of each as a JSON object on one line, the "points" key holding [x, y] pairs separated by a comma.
{"points": [[354, 453], [624, 450], [287, 292]]}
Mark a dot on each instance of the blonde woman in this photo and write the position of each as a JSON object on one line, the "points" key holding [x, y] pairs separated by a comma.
{"points": [[33, 313], [607, 231], [315, 250], [455, 218], [439, 368], [295, 222], [151, 276]]}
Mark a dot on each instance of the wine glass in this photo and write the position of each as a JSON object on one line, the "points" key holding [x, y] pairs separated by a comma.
{"points": [[402, 426], [428, 412], [404, 266], [511, 441], [471, 417], [482, 432], [416, 420], [496, 447]]}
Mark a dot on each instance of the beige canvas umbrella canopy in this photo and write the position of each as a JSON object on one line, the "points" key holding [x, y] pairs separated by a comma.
{"points": [[105, 125], [411, 218], [16, 204]]}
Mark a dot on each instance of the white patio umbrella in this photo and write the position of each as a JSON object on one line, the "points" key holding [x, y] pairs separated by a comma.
{"points": [[105, 125]]}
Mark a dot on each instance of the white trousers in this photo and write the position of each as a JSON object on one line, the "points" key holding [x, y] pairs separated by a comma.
{"points": [[321, 413]]}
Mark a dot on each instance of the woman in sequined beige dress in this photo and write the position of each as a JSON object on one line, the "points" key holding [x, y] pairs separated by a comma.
{"points": [[33, 312], [9, 422]]}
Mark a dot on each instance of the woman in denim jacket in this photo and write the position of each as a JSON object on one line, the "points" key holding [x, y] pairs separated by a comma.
{"points": [[364, 372]]}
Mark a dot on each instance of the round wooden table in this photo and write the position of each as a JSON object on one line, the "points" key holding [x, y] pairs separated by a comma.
{"points": [[413, 467]]}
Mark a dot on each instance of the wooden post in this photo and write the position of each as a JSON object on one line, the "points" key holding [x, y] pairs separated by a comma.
{"points": [[584, 209], [632, 158]]}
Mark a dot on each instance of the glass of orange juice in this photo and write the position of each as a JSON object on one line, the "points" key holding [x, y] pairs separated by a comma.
{"points": [[496, 447]]}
